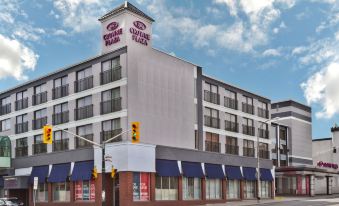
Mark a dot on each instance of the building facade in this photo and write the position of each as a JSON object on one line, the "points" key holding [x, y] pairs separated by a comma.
{"points": [[198, 134]]}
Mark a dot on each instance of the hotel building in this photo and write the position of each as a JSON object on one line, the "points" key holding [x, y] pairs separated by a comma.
{"points": [[198, 139]]}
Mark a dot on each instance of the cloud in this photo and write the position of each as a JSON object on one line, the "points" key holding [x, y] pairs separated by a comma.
{"points": [[60, 32], [80, 15], [271, 52], [322, 88], [15, 59]]}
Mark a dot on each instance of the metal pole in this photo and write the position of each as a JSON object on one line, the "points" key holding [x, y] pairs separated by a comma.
{"points": [[258, 166], [103, 192]]}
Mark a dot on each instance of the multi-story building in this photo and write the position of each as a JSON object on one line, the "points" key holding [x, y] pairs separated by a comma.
{"points": [[198, 134]]}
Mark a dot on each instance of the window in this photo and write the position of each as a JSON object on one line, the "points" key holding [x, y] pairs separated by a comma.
{"points": [[42, 192], [232, 145], [60, 142], [191, 188], [262, 109], [111, 71], [21, 148], [84, 73], [213, 188], [211, 117], [39, 89], [85, 101], [5, 101], [166, 188], [21, 100], [5, 125], [230, 99], [62, 81], [84, 108], [247, 105], [5, 105], [61, 191], [249, 189], [231, 122], [263, 151], [141, 186], [39, 147], [40, 113], [283, 133], [60, 87], [84, 80], [111, 128], [40, 118], [61, 114], [21, 124], [21, 95], [265, 189], [248, 148], [85, 190], [263, 130], [211, 93], [233, 189], [86, 132], [21, 119], [212, 142], [59, 108], [110, 101], [248, 126]]}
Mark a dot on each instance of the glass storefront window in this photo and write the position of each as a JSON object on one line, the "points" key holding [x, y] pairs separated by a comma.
{"points": [[141, 186], [233, 189], [249, 189], [42, 192], [61, 192], [265, 189], [213, 189], [85, 190], [166, 188], [191, 188]]}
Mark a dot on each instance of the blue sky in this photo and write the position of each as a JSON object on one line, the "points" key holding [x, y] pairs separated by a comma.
{"points": [[281, 49]]}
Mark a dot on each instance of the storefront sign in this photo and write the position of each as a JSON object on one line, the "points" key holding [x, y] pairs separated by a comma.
{"points": [[92, 190], [78, 190], [327, 164], [137, 33], [114, 34], [141, 187]]}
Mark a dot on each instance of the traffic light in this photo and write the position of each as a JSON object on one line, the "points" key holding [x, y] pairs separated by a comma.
{"points": [[113, 172], [47, 134], [135, 132], [94, 173]]}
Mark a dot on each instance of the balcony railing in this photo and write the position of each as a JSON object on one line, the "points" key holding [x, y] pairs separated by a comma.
{"points": [[61, 91], [60, 118], [21, 104], [247, 108], [262, 112], [248, 130], [109, 106], [230, 103], [212, 146], [84, 112], [248, 152], [83, 84], [60, 145], [211, 97], [21, 151], [232, 149], [263, 133], [39, 123], [264, 154], [231, 126], [39, 98], [106, 135], [21, 128], [5, 109], [212, 122], [39, 148], [82, 143], [110, 75]]}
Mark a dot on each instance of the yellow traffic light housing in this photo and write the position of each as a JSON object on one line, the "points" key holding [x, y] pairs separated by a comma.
{"points": [[135, 132], [47, 134], [94, 173], [113, 172]]}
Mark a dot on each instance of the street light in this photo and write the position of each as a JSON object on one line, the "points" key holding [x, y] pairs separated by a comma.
{"points": [[258, 158]]}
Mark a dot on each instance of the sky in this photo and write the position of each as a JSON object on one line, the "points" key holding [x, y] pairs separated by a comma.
{"points": [[280, 49]]}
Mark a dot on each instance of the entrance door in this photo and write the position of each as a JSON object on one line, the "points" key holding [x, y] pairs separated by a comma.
{"points": [[21, 194]]}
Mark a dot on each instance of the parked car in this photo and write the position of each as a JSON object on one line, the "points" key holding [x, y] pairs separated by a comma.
{"points": [[10, 201]]}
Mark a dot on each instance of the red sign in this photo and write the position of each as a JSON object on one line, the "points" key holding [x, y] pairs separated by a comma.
{"points": [[139, 25], [112, 26], [78, 190], [139, 36], [114, 36], [327, 164], [144, 186], [92, 190]]}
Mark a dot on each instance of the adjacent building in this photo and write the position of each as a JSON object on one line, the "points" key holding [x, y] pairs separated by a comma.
{"points": [[198, 134]]}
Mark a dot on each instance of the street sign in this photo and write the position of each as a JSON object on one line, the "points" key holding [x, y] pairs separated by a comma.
{"points": [[35, 185]]}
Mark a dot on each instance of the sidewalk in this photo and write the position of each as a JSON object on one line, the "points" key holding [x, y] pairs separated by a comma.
{"points": [[267, 201]]}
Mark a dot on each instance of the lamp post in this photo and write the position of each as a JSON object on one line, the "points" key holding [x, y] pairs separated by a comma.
{"points": [[258, 158]]}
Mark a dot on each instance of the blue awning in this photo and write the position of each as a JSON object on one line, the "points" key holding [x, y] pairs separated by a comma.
{"points": [[233, 172], [59, 172], [214, 171], [1, 181], [265, 175], [41, 172], [167, 168], [192, 169], [82, 170], [249, 173]]}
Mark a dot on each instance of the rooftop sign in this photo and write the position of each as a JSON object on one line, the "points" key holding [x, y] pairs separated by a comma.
{"points": [[327, 165]]}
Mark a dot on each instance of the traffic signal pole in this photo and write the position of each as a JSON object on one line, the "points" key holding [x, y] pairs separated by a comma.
{"points": [[103, 163]]}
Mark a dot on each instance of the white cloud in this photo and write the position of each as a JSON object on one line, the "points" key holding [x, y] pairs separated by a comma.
{"points": [[271, 52], [322, 88], [60, 32], [15, 59]]}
